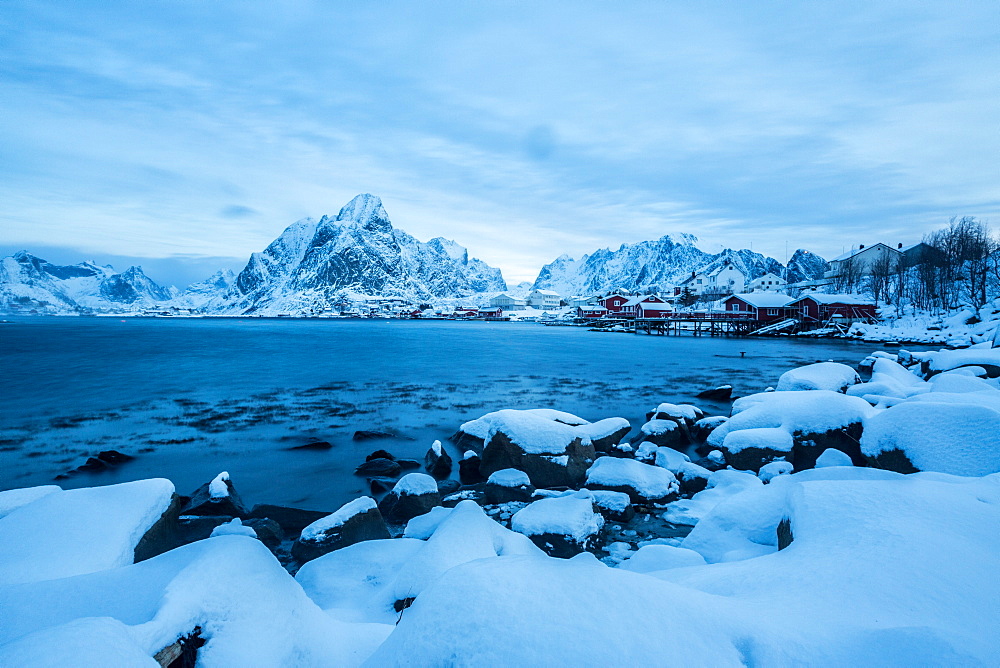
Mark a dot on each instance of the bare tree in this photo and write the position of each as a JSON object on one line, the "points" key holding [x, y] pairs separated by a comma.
{"points": [[880, 272], [849, 276]]}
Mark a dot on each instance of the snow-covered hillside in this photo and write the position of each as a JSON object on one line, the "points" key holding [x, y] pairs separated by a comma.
{"points": [[29, 284], [315, 264], [658, 265]]}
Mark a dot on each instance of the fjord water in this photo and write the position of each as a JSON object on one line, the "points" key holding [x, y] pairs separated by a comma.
{"points": [[192, 397]]}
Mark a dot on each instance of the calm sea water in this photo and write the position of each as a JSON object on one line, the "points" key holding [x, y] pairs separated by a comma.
{"points": [[192, 397]]}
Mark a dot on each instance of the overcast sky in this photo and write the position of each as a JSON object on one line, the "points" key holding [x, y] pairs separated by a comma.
{"points": [[186, 135]]}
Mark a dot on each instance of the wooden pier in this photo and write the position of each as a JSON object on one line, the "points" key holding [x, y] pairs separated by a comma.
{"points": [[721, 324]]}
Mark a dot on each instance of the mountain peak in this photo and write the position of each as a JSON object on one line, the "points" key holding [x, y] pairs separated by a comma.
{"points": [[366, 211]]}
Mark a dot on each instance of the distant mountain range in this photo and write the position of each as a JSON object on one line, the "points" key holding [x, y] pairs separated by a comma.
{"points": [[315, 265]]}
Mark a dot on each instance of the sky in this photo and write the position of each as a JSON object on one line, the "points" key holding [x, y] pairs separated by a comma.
{"points": [[184, 136]]}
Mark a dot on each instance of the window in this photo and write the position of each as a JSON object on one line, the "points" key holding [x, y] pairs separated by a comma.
{"points": [[735, 306], [698, 281], [772, 311]]}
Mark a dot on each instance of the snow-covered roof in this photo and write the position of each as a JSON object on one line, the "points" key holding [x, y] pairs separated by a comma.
{"points": [[764, 299], [656, 306], [823, 298], [593, 307], [635, 301], [767, 276], [855, 251], [548, 293]]}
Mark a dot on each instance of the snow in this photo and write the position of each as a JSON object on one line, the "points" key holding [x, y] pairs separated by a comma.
{"points": [[509, 478], [482, 427], [415, 484], [721, 485], [616, 502], [771, 438], [833, 457], [820, 376], [12, 499], [772, 470], [807, 411], [650, 558], [946, 360], [436, 448], [765, 299], [534, 433], [890, 379], [423, 526], [657, 427], [572, 516], [251, 610], [681, 411], [651, 482], [218, 489], [603, 428], [90, 642], [233, 528], [71, 532], [317, 530], [956, 438]]}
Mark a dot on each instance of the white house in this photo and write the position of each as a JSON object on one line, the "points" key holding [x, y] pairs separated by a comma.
{"points": [[508, 303], [725, 279], [768, 283], [544, 299], [862, 257]]}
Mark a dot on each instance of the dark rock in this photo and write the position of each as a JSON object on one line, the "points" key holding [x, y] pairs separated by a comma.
{"points": [[807, 448], [379, 467], [202, 503], [893, 460], [367, 525], [624, 450], [544, 471], [675, 438], [452, 500], [398, 508], [710, 464], [268, 531], [448, 486], [315, 445], [469, 469], [364, 435], [705, 426], [564, 547], [437, 461], [752, 458], [721, 393], [192, 528], [494, 493], [381, 485], [291, 520], [691, 484], [114, 457], [408, 464], [380, 454], [164, 535], [785, 537], [613, 514], [464, 441], [403, 603], [92, 465]]}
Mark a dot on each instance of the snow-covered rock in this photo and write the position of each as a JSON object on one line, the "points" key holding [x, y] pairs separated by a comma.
{"points": [[831, 376], [508, 485], [414, 494], [650, 558], [12, 499], [833, 457], [562, 525], [356, 521], [71, 532], [642, 482]]}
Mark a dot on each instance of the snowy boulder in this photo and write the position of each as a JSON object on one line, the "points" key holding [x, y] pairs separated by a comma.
{"points": [[721, 393], [750, 449], [71, 532], [703, 427], [469, 468], [816, 420], [668, 433], [614, 506], [414, 494], [606, 433], [946, 360], [354, 522], [562, 526], [686, 414], [769, 472], [12, 499], [216, 498], [889, 379], [821, 376], [233, 528], [691, 477], [646, 452], [508, 485], [833, 457], [552, 453], [957, 438], [475, 433], [643, 483], [437, 461], [651, 558]]}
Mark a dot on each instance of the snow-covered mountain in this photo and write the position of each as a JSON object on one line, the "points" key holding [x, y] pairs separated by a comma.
{"points": [[315, 264], [29, 284], [658, 265]]}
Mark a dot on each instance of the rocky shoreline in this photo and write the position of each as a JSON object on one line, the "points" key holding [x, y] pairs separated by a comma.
{"points": [[534, 484]]}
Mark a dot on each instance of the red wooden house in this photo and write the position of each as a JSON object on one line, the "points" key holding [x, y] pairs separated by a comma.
{"points": [[614, 303], [659, 309], [760, 306], [491, 312], [820, 308], [591, 311], [630, 309]]}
